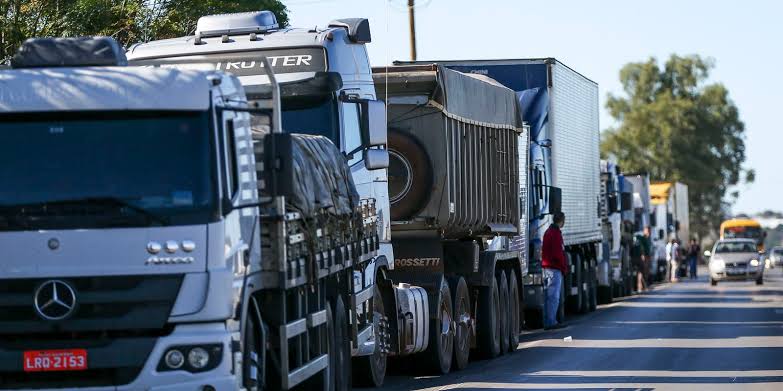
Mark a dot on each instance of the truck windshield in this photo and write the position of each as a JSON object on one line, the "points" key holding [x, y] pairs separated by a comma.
{"points": [[312, 115], [97, 170]]}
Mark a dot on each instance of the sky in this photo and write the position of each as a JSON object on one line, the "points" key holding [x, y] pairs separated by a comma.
{"points": [[597, 38]]}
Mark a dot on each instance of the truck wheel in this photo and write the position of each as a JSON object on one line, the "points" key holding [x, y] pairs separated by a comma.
{"points": [[462, 321], [713, 282], [504, 307], [410, 175], [441, 345], [760, 280], [514, 310], [489, 320], [342, 348], [370, 371]]}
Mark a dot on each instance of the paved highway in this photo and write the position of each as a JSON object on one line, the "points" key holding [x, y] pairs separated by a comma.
{"points": [[680, 336]]}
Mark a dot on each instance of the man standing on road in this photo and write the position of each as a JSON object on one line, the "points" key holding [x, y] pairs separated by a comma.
{"points": [[553, 260], [674, 256], [694, 250], [640, 256]]}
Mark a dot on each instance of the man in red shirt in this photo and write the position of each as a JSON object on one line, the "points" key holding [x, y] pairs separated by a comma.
{"points": [[553, 260]]}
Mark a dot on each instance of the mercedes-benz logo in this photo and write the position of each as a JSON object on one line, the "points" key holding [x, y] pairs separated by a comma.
{"points": [[55, 300]]}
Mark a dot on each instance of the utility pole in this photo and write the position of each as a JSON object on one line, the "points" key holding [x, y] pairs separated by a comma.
{"points": [[412, 21]]}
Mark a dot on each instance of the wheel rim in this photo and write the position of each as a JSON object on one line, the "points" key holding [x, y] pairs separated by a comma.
{"points": [[463, 320], [445, 327]]}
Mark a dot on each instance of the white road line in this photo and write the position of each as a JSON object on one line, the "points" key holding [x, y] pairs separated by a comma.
{"points": [[677, 343]]}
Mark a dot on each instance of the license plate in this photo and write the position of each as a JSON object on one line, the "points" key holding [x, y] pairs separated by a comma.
{"points": [[55, 360]]}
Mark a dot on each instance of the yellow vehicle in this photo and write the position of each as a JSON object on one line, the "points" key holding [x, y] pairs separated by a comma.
{"points": [[743, 229]]}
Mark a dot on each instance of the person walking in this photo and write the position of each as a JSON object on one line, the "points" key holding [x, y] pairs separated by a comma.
{"points": [[640, 257], [694, 250], [671, 273], [553, 260], [674, 257]]}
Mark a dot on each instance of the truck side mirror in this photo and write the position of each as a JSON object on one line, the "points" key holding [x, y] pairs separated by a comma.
{"points": [[375, 159], [626, 201], [555, 200], [374, 131]]}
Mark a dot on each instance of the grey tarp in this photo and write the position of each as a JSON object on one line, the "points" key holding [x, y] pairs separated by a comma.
{"points": [[322, 178], [68, 52], [470, 96]]}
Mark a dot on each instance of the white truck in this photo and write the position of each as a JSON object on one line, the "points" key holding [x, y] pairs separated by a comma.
{"points": [[670, 216], [153, 239], [614, 268], [561, 107]]}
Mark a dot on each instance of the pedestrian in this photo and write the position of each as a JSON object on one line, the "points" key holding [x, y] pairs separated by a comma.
{"points": [[647, 255], [674, 259], [670, 273], [694, 250], [553, 260], [640, 257]]}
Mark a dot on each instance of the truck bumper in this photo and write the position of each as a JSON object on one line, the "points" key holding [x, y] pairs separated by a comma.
{"points": [[150, 379]]}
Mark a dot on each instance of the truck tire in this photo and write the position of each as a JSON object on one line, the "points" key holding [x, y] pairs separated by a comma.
{"points": [[514, 311], [370, 371], [488, 320], [461, 301], [584, 285], [441, 345], [342, 347], [504, 309], [410, 175], [713, 282], [760, 280]]}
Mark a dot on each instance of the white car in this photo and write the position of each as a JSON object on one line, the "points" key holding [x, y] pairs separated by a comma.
{"points": [[776, 256], [735, 260]]}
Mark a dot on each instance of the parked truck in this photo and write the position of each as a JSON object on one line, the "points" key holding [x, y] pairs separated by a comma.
{"points": [[614, 268], [326, 89], [162, 238], [643, 219], [561, 107], [457, 183]]}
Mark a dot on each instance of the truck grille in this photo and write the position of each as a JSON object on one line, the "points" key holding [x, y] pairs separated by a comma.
{"points": [[116, 319], [102, 304]]}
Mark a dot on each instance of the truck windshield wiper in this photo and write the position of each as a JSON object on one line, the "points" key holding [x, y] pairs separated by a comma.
{"points": [[90, 201]]}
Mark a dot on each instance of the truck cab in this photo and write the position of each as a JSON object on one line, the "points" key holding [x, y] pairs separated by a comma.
{"points": [[117, 222]]}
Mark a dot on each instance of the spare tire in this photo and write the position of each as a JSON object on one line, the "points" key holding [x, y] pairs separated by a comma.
{"points": [[410, 176]]}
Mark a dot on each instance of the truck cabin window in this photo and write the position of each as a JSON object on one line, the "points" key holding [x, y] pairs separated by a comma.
{"points": [[315, 115], [105, 169]]}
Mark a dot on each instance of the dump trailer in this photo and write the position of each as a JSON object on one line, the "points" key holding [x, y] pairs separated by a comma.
{"points": [[457, 180], [614, 266], [227, 262], [561, 107], [326, 89]]}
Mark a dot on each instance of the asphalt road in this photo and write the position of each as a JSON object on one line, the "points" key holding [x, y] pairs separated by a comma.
{"points": [[681, 336]]}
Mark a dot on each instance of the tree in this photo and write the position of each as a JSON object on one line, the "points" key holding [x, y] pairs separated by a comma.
{"points": [[129, 21], [675, 126]]}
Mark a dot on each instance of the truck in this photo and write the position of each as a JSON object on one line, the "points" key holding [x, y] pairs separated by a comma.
{"points": [[326, 89], [614, 269], [561, 107], [457, 188], [670, 215], [164, 241]]}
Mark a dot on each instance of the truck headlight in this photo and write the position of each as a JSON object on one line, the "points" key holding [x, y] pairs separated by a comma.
{"points": [[754, 262], [198, 358], [174, 359]]}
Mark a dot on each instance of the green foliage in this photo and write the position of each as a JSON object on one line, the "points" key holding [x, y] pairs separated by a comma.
{"points": [[678, 128], [128, 21]]}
